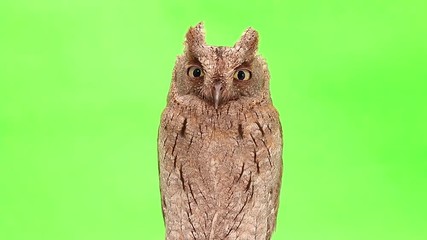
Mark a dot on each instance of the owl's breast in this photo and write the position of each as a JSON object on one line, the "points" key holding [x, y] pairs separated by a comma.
{"points": [[216, 163]]}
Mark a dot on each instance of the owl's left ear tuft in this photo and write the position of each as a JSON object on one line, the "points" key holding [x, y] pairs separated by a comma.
{"points": [[195, 38], [248, 43]]}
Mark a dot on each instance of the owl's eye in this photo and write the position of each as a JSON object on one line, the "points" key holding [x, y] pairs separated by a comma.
{"points": [[195, 72], [242, 75]]}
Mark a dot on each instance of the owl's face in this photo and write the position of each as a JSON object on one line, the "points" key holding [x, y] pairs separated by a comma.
{"points": [[218, 75]]}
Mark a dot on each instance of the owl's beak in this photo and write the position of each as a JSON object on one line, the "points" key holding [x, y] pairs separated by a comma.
{"points": [[217, 94]]}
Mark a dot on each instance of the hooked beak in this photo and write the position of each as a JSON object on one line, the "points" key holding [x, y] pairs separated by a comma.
{"points": [[217, 94]]}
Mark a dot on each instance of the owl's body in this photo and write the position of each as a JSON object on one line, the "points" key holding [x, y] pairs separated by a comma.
{"points": [[220, 144]]}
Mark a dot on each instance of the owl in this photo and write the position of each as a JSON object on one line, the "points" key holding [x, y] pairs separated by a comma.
{"points": [[220, 143]]}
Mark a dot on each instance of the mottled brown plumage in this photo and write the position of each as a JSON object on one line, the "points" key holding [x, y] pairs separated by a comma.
{"points": [[220, 143]]}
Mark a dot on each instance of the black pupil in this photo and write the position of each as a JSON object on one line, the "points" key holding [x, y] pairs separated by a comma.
{"points": [[241, 75], [197, 72]]}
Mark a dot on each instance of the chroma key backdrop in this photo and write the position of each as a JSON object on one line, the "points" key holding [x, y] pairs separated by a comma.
{"points": [[83, 84]]}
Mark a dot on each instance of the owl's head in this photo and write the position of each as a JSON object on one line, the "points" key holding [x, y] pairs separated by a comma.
{"points": [[217, 74]]}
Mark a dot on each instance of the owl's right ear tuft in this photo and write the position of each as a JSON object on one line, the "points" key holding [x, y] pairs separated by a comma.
{"points": [[248, 43], [195, 38]]}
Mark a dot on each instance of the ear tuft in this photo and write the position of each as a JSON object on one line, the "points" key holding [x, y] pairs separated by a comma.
{"points": [[248, 43], [195, 38]]}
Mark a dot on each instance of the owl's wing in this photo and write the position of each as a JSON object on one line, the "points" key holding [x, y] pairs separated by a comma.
{"points": [[276, 150], [160, 188]]}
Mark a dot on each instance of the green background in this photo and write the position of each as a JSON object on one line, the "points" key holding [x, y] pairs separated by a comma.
{"points": [[83, 83]]}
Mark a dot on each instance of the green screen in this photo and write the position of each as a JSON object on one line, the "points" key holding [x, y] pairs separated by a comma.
{"points": [[83, 84]]}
